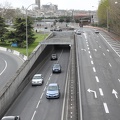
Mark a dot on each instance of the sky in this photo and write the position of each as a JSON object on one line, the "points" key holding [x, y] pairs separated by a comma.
{"points": [[62, 4]]}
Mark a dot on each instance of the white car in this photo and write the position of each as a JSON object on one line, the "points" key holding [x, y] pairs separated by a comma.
{"points": [[37, 79]]}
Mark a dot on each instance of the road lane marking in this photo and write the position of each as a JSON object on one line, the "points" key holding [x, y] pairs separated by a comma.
{"points": [[106, 107], [88, 48], [101, 92], [104, 54], [33, 115], [110, 65], [38, 104], [41, 96], [44, 88], [99, 46], [94, 70], [109, 45], [90, 56], [4, 67], [97, 79], [119, 80], [89, 52], [92, 62], [107, 50]]}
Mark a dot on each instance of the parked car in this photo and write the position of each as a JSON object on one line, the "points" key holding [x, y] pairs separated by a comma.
{"points": [[37, 79], [11, 118], [56, 68], [54, 57], [53, 91]]}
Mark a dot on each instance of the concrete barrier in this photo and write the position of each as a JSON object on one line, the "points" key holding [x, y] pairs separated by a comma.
{"points": [[15, 86]]}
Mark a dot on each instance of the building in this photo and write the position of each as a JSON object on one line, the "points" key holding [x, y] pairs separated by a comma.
{"points": [[37, 2]]}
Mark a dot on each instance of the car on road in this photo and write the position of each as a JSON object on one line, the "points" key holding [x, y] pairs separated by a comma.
{"points": [[53, 91], [78, 32], [54, 57], [96, 31], [37, 79], [11, 118], [56, 68]]}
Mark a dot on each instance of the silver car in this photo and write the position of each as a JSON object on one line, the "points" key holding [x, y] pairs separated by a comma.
{"points": [[53, 91], [11, 118], [37, 79]]}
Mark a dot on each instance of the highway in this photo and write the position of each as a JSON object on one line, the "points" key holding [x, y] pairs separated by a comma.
{"points": [[99, 71], [9, 64], [32, 103]]}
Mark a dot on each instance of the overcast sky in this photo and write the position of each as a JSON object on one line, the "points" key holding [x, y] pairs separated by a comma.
{"points": [[62, 4]]}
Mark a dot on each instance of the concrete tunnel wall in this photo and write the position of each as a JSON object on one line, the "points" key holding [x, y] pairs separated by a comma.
{"points": [[15, 86]]}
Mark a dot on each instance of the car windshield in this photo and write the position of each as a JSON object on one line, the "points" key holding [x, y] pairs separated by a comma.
{"points": [[37, 77], [52, 88]]}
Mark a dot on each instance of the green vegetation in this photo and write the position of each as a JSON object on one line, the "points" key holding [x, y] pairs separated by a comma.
{"points": [[39, 38]]}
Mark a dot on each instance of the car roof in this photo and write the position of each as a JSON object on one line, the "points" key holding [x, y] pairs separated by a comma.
{"points": [[38, 75], [53, 84]]}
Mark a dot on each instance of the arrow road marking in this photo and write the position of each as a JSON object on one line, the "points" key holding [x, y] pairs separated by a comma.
{"points": [[91, 91], [115, 93]]}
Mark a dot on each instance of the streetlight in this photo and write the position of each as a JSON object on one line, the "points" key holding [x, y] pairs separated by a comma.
{"points": [[27, 31]]}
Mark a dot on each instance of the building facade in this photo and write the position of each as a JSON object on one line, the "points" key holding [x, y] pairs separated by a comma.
{"points": [[37, 2]]}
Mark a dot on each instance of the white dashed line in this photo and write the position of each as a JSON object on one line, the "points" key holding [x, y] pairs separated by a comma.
{"points": [[101, 92], [89, 52], [110, 65], [41, 96], [94, 69], [33, 115], [97, 79], [104, 54], [107, 50], [99, 46], [90, 56], [92, 62], [44, 88], [106, 107], [119, 80], [38, 104]]}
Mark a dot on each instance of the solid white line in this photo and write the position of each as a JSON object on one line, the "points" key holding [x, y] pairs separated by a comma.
{"points": [[106, 107], [4, 67], [33, 115], [94, 69], [97, 79], [101, 92]]}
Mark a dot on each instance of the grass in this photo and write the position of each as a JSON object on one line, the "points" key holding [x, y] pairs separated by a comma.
{"points": [[39, 38]]}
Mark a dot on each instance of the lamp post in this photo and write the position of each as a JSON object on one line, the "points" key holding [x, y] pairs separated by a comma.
{"points": [[27, 31]]}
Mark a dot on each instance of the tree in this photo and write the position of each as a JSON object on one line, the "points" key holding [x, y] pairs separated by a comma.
{"points": [[20, 31], [3, 30], [102, 12]]}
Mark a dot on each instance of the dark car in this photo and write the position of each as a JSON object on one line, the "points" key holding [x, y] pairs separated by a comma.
{"points": [[56, 68], [54, 57], [53, 91], [11, 118], [96, 31]]}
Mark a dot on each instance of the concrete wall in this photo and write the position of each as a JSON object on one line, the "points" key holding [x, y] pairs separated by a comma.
{"points": [[14, 87]]}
